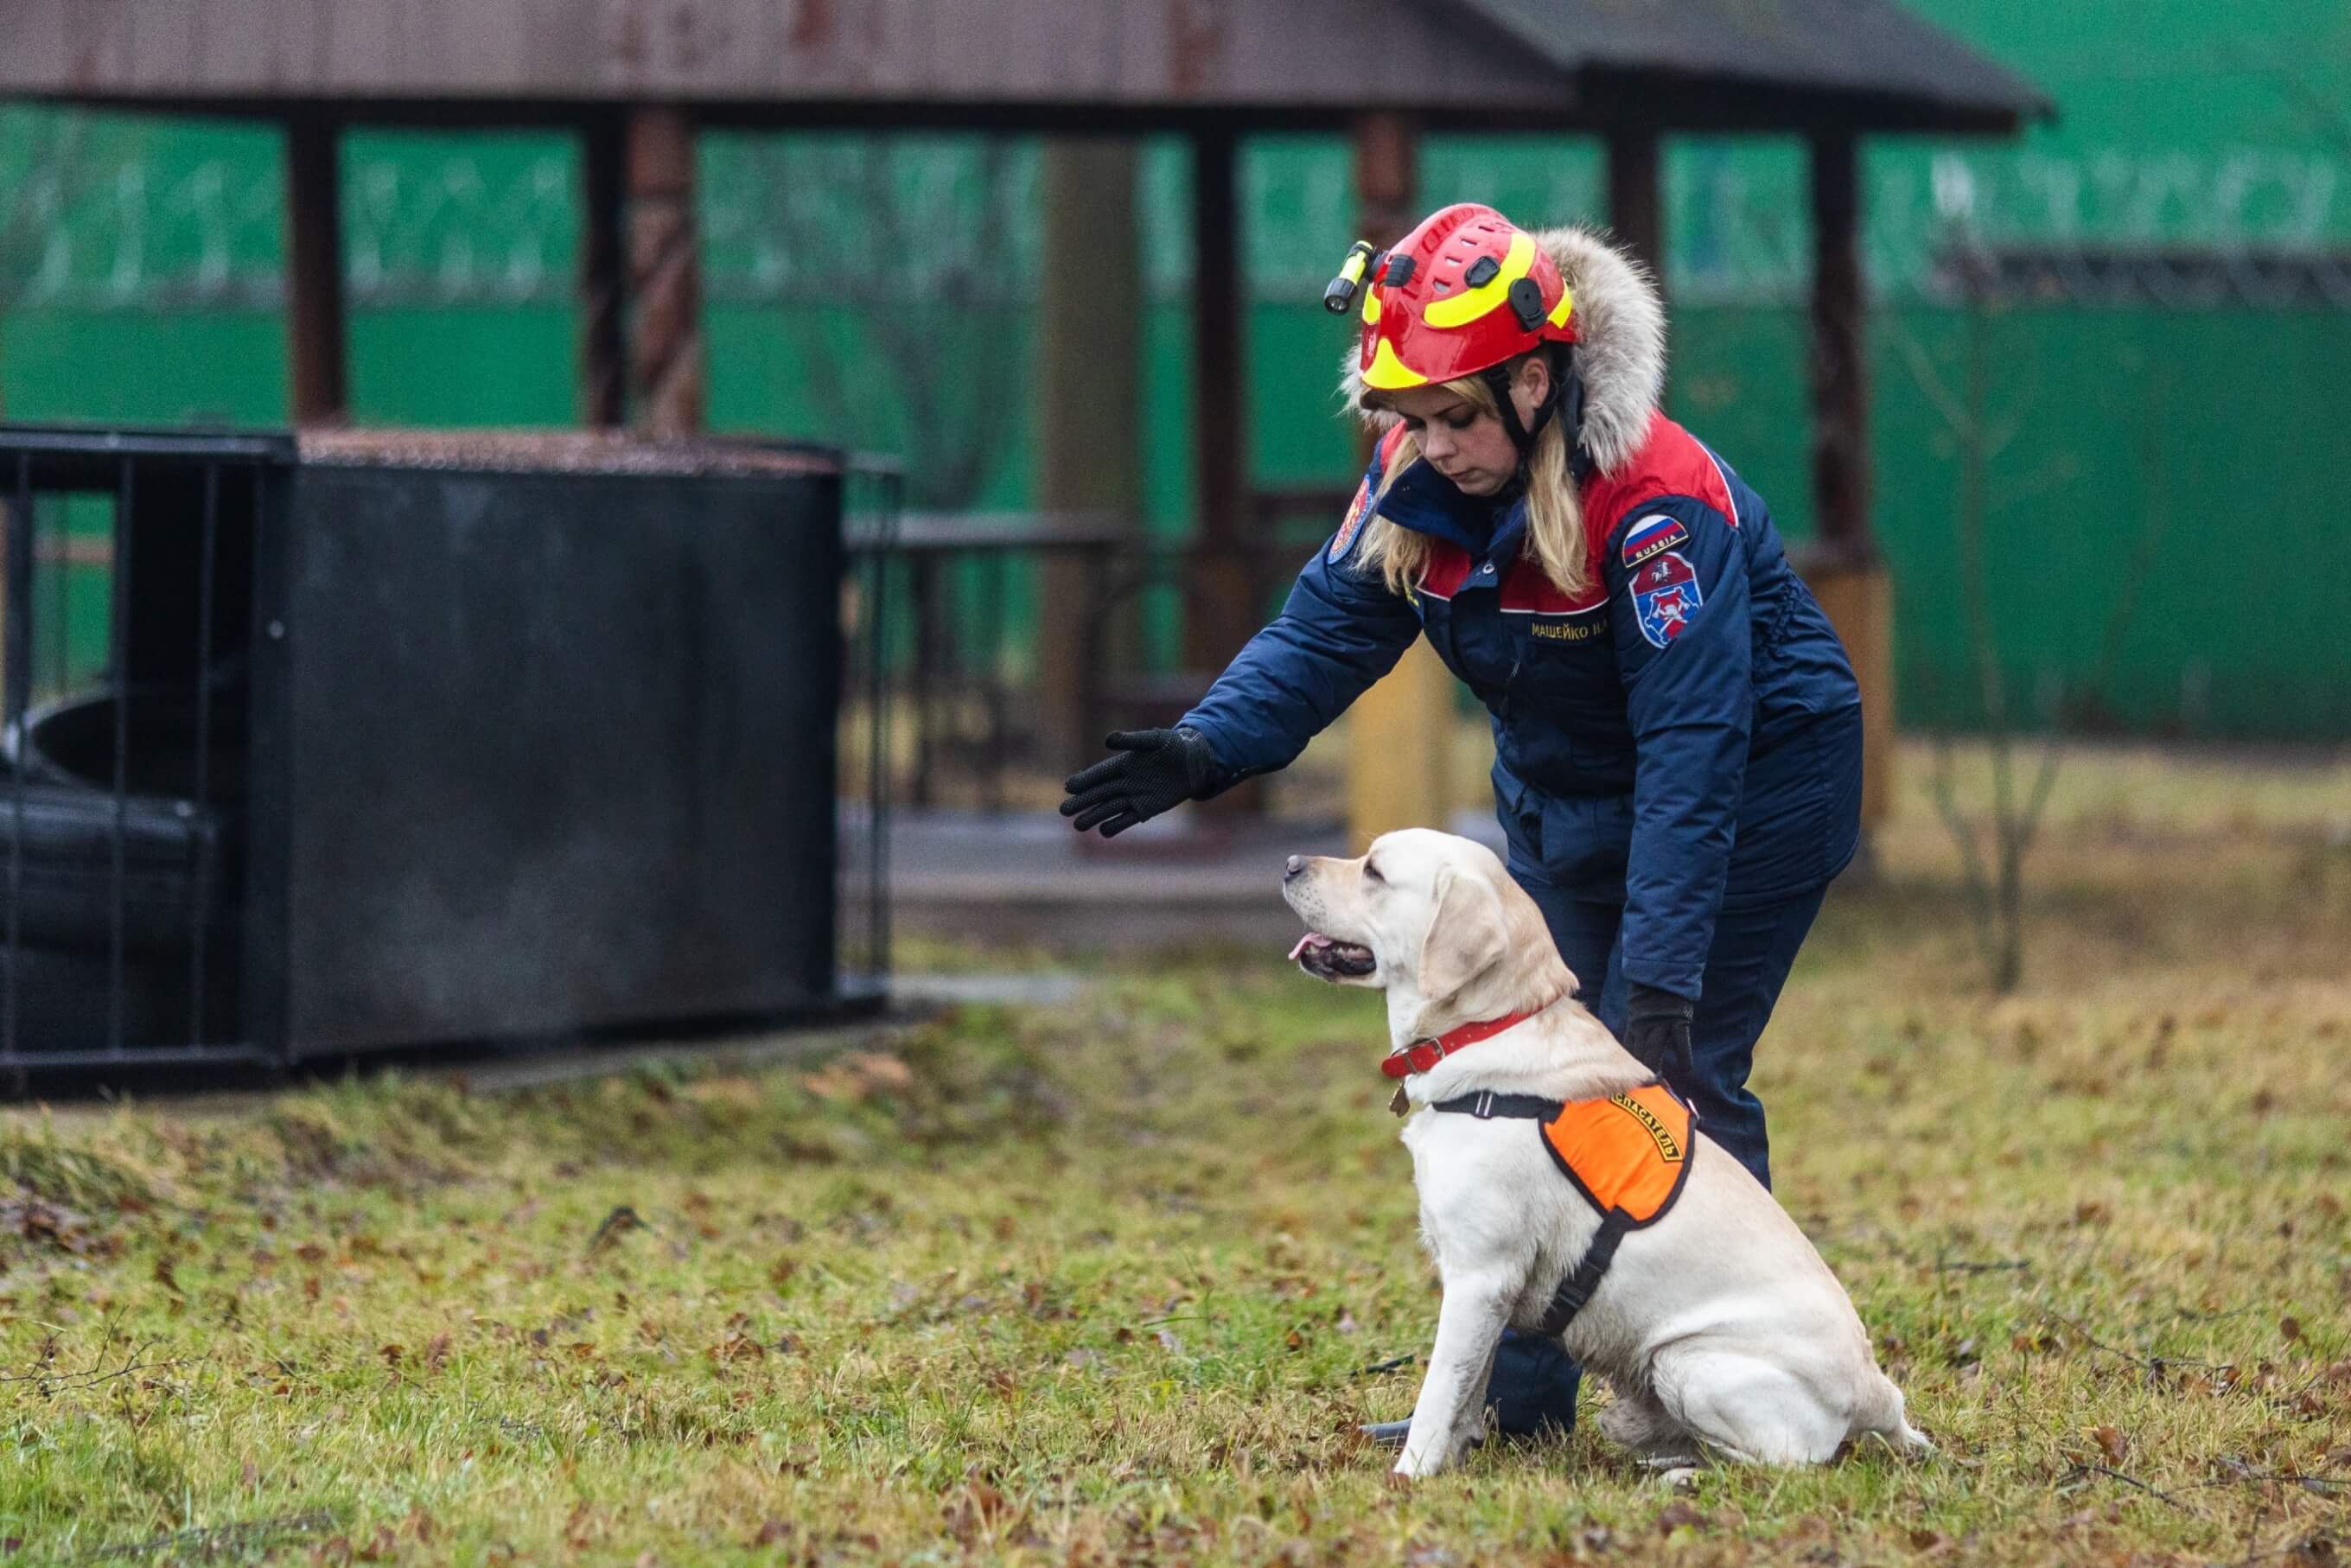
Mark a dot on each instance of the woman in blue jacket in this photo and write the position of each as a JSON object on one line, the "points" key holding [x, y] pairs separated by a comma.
{"points": [[1677, 728]]}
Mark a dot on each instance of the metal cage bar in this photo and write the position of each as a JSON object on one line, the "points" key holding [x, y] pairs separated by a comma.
{"points": [[878, 483], [117, 610], [18, 655], [200, 885], [103, 809]]}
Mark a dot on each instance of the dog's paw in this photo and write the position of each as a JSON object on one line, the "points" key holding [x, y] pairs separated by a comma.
{"points": [[1679, 1480], [1399, 1481], [1419, 1467], [1675, 1472]]}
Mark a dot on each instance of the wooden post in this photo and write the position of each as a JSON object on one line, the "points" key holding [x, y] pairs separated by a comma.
{"points": [[665, 368], [1089, 448], [1859, 602], [1843, 569], [1400, 733], [603, 277], [318, 381]]}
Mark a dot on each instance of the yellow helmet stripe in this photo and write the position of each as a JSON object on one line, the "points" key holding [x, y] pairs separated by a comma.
{"points": [[1371, 307], [1389, 374], [1565, 308], [1468, 305]]}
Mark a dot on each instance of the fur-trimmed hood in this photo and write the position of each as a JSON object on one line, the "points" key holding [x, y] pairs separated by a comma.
{"points": [[1620, 344]]}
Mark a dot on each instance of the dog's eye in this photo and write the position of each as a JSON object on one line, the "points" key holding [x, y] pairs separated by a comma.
{"points": [[1373, 872]]}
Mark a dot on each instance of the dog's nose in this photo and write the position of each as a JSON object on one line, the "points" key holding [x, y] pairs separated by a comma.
{"points": [[1292, 866]]}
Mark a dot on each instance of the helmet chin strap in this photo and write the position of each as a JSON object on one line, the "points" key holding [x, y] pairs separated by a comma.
{"points": [[1564, 399]]}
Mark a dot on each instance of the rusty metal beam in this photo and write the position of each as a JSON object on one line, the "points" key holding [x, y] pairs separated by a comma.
{"points": [[1388, 176], [1842, 566], [318, 390], [1635, 207], [1217, 613], [665, 357], [1636, 202], [603, 276]]}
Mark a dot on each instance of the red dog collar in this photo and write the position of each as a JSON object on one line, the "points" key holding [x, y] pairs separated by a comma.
{"points": [[1425, 1053]]}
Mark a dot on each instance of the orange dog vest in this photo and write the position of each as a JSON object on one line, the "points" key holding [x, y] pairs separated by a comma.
{"points": [[1629, 1155]]}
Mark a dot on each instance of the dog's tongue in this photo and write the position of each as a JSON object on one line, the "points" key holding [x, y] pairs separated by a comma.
{"points": [[1312, 939]]}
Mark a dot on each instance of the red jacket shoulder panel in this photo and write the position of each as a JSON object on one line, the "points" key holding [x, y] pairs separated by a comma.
{"points": [[1670, 462]]}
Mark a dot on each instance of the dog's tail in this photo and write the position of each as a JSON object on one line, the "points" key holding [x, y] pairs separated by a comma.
{"points": [[1889, 1421]]}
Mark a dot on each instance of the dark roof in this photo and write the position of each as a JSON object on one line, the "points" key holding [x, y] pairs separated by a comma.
{"points": [[1050, 64], [1869, 49]]}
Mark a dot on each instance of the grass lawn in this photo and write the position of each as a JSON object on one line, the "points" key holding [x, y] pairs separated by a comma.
{"points": [[1113, 1280]]}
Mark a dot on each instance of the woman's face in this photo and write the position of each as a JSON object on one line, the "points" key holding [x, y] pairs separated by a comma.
{"points": [[1463, 441]]}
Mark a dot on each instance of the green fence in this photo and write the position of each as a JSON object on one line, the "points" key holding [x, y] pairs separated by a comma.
{"points": [[2162, 536]]}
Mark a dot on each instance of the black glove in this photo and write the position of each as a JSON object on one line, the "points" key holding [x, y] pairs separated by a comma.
{"points": [[1155, 769], [1658, 1031]]}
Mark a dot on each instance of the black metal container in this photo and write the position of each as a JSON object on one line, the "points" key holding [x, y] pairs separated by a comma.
{"points": [[434, 738]]}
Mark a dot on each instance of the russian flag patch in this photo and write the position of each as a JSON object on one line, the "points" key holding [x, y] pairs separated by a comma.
{"points": [[1651, 536]]}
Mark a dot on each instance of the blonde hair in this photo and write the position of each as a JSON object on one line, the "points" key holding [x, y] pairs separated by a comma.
{"points": [[1554, 539]]}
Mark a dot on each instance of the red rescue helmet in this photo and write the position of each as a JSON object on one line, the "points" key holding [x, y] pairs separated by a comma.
{"points": [[1465, 291]]}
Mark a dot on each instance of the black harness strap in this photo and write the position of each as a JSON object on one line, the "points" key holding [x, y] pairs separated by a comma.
{"points": [[1486, 1105], [1584, 1278], [1575, 1291]]}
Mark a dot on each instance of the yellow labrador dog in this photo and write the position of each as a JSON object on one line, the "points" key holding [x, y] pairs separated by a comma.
{"points": [[1718, 1326]]}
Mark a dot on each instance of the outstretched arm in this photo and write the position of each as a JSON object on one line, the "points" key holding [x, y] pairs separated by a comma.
{"points": [[1340, 631]]}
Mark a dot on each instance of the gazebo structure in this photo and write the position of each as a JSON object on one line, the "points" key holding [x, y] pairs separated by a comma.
{"points": [[636, 78]]}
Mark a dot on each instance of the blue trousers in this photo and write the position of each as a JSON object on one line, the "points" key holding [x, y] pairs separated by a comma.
{"points": [[1534, 1382]]}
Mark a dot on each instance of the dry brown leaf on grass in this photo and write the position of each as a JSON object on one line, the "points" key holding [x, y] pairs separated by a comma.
{"points": [[1679, 1516], [860, 1075], [738, 1346]]}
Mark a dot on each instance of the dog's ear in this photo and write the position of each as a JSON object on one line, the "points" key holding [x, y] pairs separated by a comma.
{"points": [[1466, 934], [1526, 933]]}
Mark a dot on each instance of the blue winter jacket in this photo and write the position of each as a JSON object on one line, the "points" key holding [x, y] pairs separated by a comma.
{"points": [[1682, 736]]}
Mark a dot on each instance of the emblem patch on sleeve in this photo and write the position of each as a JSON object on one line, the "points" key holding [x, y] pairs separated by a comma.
{"points": [[1353, 523], [1652, 535], [1664, 596]]}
